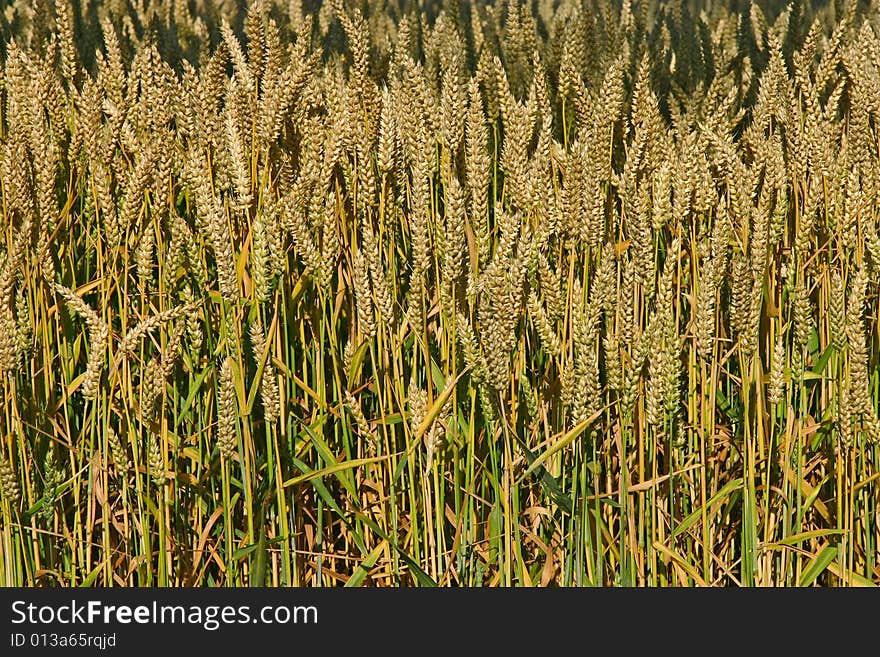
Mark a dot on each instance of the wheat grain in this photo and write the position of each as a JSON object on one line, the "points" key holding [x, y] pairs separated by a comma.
{"points": [[227, 411], [9, 485]]}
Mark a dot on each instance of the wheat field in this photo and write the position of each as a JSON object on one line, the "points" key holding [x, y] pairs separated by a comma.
{"points": [[417, 293]]}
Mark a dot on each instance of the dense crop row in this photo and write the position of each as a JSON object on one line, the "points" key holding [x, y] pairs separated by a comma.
{"points": [[398, 293]]}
